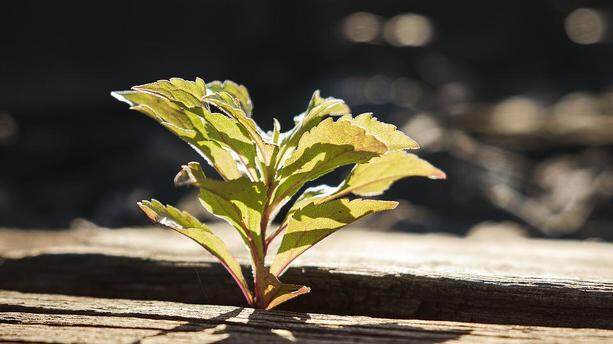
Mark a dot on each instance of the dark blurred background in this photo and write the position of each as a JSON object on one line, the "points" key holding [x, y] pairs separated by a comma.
{"points": [[513, 99]]}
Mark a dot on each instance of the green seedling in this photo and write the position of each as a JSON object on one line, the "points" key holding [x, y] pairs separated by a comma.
{"points": [[261, 172]]}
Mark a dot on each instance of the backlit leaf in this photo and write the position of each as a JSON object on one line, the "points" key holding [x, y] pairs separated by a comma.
{"points": [[312, 223], [317, 110], [187, 93], [310, 195], [239, 201], [230, 135], [185, 99], [232, 107], [276, 131], [190, 175], [237, 91], [189, 226], [376, 176], [387, 133], [326, 147], [275, 292], [194, 129]]}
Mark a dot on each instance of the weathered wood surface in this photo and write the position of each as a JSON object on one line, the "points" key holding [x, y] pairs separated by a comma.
{"points": [[70, 319], [396, 275]]}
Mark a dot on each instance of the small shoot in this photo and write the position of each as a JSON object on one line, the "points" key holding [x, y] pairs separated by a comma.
{"points": [[261, 172]]}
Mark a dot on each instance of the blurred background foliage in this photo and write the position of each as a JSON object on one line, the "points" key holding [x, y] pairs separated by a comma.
{"points": [[513, 99]]}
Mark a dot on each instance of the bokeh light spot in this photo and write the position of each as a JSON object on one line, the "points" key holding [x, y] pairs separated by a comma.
{"points": [[361, 27], [585, 26], [409, 29]]}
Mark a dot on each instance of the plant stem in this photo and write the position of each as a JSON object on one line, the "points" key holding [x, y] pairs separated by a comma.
{"points": [[258, 285], [274, 234], [261, 272], [259, 282]]}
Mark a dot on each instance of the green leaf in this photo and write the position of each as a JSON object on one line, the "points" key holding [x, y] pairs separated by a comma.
{"points": [[213, 135], [275, 293], [378, 174], [316, 111], [190, 175], [230, 135], [310, 195], [189, 226], [276, 130], [177, 104], [321, 150], [184, 92], [154, 106], [285, 292], [232, 107], [239, 201], [320, 107], [237, 91], [312, 223], [387, 133]]}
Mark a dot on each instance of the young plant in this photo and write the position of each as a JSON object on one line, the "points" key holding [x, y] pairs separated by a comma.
{"points": [[260, 172]]}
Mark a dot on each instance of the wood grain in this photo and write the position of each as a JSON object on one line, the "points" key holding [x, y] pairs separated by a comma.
{"points": [[396, 275], [69, 319]]}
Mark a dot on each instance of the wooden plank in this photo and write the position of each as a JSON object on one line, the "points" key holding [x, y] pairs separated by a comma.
{"points": [[70, 319], [519, 281]]}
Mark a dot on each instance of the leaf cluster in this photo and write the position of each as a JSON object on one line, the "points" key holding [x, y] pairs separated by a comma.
{"points": [[260, 172]]}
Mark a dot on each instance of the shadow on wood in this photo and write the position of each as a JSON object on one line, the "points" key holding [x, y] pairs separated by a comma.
{"points": [[399, 296], [140, 322]]}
